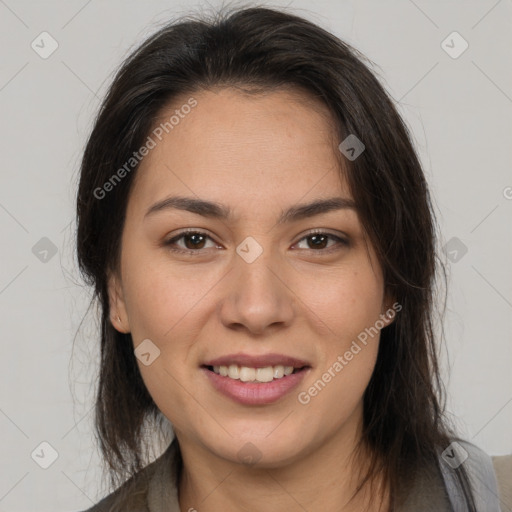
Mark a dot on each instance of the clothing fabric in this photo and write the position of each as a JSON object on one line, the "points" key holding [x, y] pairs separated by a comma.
{"points": [[435, 489]]}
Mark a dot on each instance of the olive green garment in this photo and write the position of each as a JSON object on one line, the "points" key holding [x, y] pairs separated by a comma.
{"points": [[154, 490]]}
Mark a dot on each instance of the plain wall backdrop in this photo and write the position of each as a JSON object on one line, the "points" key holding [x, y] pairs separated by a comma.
{"points": [[456, 100]]}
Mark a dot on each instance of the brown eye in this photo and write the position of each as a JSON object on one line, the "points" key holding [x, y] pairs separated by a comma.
{"points": [[317, 241], [194, 241], [189, 242], [322, 241]]}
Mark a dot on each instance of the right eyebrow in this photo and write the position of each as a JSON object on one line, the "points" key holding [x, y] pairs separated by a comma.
{"points": [[193, 205]]}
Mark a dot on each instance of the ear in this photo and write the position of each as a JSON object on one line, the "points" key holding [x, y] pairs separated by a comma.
{"points": [[117, 305], [390, 308]]}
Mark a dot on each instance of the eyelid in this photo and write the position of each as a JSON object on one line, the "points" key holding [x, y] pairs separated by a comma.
{"points": [[196, 231], [339, 238], [323, 231]]}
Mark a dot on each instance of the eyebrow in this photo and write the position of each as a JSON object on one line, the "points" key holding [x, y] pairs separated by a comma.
{"points": [[218, 211]]}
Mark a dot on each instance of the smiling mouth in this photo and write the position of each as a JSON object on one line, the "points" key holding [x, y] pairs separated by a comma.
{"points": [[254, 375]]}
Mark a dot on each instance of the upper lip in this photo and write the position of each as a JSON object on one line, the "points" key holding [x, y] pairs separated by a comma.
{"points": [[259, 361]]}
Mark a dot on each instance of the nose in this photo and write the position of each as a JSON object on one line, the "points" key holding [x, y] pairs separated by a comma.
{"points": [[258, 299]]}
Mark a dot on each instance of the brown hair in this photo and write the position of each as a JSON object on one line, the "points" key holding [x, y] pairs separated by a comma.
{"points": [[404, 427]]}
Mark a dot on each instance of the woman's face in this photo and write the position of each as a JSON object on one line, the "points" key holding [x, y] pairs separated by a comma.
{"points": [[266, 284]]}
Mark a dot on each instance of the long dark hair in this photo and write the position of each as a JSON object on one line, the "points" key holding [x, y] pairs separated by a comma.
{"points": [[260, 48]]}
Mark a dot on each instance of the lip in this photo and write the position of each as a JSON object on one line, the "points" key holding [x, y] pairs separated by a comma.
{"points": [[255, 393], [257, 361]]}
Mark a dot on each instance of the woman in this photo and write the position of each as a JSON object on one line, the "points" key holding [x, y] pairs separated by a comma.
{"points": [[257, 227]]}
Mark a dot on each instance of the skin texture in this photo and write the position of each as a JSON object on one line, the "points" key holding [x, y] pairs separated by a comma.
{"points": [[257, 154]]}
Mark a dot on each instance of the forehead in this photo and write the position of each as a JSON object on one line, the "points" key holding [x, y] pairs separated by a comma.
{"points": [[277, 146]]}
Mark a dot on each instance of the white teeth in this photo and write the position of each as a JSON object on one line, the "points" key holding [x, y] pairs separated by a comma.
{"points": [[247, 374], [278, 372], [233, 371], [288, 370], [265, 374]]}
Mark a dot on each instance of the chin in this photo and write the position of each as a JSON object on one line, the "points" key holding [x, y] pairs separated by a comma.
{"points": [[260, 451]]}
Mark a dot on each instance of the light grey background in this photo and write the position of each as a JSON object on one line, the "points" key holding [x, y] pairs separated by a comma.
{"points": [[459, 110]]}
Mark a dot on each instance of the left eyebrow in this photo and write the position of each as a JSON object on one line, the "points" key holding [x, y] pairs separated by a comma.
{"points": [[317, 207], [219, 211]]}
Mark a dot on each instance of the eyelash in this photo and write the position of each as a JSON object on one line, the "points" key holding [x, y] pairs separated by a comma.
{"points": [[168, 243]]}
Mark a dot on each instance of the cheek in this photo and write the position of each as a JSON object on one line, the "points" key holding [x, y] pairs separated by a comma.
{"points": [[334, 395], [345, 307], [170, 306], [345, 302], [345, 313], [161, 297]]}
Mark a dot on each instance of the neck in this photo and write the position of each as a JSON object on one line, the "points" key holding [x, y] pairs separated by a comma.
{"points": [[325, 479]]}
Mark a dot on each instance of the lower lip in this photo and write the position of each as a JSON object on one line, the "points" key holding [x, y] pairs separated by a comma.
{"points": [[255, 393]]}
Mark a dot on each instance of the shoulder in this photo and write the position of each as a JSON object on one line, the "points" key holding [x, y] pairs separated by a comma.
{"points": [[490, 477], [135, 494], [503, 468], [132, 493]]}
